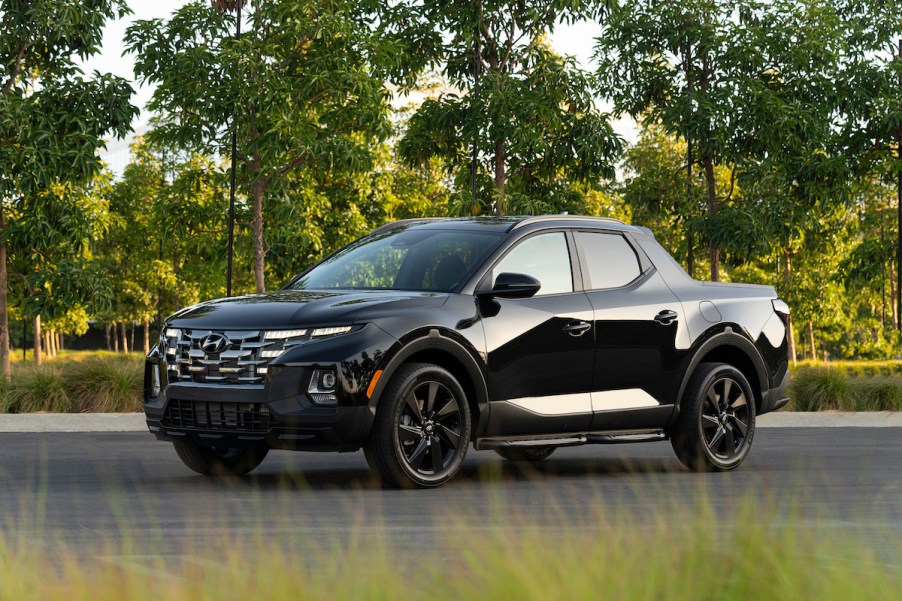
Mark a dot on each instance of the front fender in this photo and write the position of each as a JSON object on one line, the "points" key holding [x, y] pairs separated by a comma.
{"points": [[451, 345]]}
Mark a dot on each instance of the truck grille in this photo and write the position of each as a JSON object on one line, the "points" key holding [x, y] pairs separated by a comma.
{"points": [[224, 357], [211, 415]]}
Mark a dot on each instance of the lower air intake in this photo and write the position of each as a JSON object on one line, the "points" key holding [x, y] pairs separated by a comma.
{"points": [[221, 417]]}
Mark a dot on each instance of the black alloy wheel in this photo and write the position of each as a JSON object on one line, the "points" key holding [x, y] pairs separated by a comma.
{"points": [[422, 428], [716, 424]]}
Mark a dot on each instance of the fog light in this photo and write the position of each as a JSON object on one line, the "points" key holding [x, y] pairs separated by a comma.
{"points": [[322, 387], [328, 381]]}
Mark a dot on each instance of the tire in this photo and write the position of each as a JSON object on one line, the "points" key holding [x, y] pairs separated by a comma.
{"points": [[421, 431], [210, 462], [525, 453], [708, 435]]}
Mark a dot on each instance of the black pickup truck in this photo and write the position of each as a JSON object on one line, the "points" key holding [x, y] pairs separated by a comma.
{"points": [[516, 334]]}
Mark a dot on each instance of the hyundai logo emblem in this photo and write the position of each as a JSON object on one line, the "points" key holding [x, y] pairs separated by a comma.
{"points": [[214, 343]]}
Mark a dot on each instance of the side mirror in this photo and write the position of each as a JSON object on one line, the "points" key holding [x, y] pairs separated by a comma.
{"points": [[515, 285]]}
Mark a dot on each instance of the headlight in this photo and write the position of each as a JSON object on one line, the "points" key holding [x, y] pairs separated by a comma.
{"points": [[333, 331], [283, 334]]}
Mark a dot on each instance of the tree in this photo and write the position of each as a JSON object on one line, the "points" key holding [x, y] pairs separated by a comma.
{"points": [[528, 113], [667, 63], [52, 268], [166, 234], [871, 81], [654, 187], [746, 83], [52, 118], [299, 87]]}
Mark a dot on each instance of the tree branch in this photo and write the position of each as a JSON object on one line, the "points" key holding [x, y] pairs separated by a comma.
{"points": [[17, 66], [729, 196]]}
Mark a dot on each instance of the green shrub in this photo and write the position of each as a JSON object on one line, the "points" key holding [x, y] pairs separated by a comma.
{"points": [[884, 394], [75, 383], [104, 385], [816, 389], [850, 386], [37, 389]]}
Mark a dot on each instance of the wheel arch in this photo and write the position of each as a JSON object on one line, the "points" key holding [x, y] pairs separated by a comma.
{"points": [[450, 355], [733, 349]]}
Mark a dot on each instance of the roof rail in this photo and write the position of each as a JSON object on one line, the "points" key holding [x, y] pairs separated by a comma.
{"points": [[564, 217]]}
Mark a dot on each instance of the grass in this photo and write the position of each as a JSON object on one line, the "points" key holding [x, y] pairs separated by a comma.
{"points": [[846, 386], [75, 382], [699, 553]]}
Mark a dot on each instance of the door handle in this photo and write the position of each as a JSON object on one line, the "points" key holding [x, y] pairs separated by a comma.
{"points": [[577, 328], [666, 317]]}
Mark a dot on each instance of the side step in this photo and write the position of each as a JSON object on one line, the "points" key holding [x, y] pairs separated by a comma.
{"points": [[572, 440], [624, 438]]}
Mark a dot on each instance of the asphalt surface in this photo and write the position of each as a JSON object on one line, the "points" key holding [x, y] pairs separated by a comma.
{"points": [[96, 491]]}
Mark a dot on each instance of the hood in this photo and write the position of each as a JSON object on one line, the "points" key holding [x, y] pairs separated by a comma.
{"points": [[290, 308]]}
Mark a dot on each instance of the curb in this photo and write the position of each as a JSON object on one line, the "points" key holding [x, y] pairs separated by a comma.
{"points": [[73, 422], [831, 419], [134, 422]]}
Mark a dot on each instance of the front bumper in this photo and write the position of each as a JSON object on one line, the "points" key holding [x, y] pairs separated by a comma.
{"points": [[278, 415]]}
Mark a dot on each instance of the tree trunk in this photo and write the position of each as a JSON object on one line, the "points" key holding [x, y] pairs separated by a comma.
{"points": [[4, 300], [175, 271], [811, 341], [115, 337], [787, 280], [712, 209], [106, 333], [257, 227], [124, 337], [146, 336], [37, 340], [690, 259], [132, 339], [882, 283], [500, 175], [61, 342], [689, 242], [892, 292], [899, 210]]}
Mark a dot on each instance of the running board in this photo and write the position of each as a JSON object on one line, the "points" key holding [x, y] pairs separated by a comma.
{"points": [[624, 438], [572, 440]]}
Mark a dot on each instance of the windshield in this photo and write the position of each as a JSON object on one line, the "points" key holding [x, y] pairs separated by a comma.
{"points": [[403, 259]]}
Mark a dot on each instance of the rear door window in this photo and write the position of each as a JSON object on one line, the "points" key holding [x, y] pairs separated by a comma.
{"points": [[610, 261]]}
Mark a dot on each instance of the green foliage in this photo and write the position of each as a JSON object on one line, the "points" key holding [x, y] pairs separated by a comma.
{"points": [[532, 115], [52, 237], [679, 553], [52, 119], [52, 123], [865, 386], [167, 239], [300, 88], [75, 383]]}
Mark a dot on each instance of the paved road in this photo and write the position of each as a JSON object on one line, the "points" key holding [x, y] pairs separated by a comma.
{"points": [[91, 490]]}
